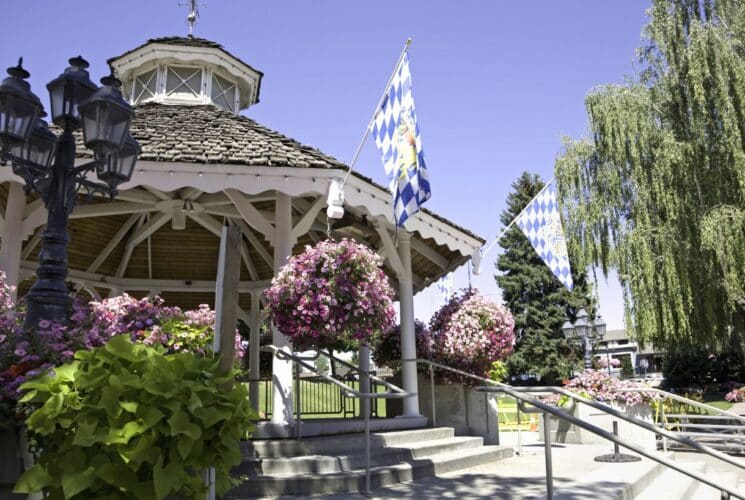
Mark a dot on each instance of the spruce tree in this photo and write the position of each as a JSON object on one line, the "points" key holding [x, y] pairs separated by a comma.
{"points": [[538, 301]]}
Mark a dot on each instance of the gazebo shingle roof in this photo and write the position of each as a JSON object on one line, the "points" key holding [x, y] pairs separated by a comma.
{"points": [[207, 134]]}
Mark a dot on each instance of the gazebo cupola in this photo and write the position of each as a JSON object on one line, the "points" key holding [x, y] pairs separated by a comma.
{"points": [[187, 71]]}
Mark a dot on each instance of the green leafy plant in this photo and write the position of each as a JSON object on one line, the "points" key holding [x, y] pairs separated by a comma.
{"points": [[129, 421], [498, 371]]}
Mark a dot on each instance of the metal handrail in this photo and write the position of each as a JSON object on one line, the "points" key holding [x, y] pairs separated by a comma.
{"points": [[690, 402], [598, 406], [510, 390], [548, 409], [397, 393]]}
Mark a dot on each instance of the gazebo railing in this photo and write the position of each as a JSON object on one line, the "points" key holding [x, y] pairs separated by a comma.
{"points": [[320, 398], [393, 392]]}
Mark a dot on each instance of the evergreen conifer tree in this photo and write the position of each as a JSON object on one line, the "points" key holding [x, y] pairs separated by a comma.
{"points": [[539, 303]]}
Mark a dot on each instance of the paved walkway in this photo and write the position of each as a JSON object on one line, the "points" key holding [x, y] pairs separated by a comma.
{"points": [[518, 477], [738, 409]]}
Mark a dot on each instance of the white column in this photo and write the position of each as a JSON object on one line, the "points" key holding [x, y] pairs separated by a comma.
{"points": [[408, 340], [254, 341], [12, 242], [282, 369]]}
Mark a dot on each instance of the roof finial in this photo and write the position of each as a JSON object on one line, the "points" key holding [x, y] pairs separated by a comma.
{"points": [[192, 17]]}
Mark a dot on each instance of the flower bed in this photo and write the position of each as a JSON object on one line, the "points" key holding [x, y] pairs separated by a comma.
{"points": [[735, 395], [470, 333], [147, 321], [599, 386], [331, 295]]}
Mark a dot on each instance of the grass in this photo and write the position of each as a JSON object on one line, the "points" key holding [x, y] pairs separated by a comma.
{"points": [[319, 397], [508, 415]]}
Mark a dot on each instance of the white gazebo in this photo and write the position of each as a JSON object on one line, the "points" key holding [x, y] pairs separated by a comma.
{"points": [[203, 163]]}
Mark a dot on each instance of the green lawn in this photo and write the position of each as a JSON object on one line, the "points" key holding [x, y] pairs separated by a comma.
{"points": [[508, 415], [318, 399]]}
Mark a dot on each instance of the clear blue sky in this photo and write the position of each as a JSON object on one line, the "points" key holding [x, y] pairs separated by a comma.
{"points": [[496, 84]]}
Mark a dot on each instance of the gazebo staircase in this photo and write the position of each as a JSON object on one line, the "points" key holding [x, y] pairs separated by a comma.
{"points": [[336, 464]]}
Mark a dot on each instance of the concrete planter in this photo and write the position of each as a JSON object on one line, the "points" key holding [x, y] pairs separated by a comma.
{"points": [[469, 412], [563, 432], [14, 459]]}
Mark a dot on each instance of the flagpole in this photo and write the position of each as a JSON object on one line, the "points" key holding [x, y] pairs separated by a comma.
{"points": [[375, 112], [504, 231]]}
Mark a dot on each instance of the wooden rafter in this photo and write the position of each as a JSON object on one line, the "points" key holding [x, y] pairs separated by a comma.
{"points": [[113, 242], [250, 214]]}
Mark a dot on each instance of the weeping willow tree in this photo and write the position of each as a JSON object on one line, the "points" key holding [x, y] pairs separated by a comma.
{"points": [[657, 190]]}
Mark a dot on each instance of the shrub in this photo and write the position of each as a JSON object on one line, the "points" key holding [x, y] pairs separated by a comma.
{"points": [[599, 386], [387, 347], [26, 354], [128, 420], [470, 333], [331, 296], [498, 371], [736, 395]]}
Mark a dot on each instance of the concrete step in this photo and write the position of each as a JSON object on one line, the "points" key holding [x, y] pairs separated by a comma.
{"points": [[351, 461], [354, 480], [705, 492], [617, 481], [672, 484], [339, 444]]}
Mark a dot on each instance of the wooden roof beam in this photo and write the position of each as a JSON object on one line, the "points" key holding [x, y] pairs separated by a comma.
{"points": [[138, 236], [113, 242], [113, 208], [308, 218], [388, 249], [255, 243], [250, 214], [33, 242], [429, 253]]}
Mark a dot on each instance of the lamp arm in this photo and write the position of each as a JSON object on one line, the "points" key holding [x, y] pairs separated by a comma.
{"points": [[87, 167]]}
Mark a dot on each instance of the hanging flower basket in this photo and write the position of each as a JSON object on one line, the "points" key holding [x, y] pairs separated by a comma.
{"points": [[470, 333], [387, 347], [330, 296]]}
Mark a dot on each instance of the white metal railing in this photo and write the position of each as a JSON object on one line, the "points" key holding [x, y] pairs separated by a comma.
{"points": [[364, 397]]}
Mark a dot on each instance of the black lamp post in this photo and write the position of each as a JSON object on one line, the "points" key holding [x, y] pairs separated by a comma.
{"points": [[29, 146], [583, 329]]}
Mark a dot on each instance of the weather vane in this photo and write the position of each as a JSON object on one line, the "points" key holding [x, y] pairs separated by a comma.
{"points": [[193, 14]]}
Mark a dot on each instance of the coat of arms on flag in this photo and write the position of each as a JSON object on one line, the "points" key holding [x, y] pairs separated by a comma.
{"points": [[541, 223], [396, 134]]}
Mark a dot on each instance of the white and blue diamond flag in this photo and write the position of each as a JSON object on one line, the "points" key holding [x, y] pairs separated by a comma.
{"points": [[445, 286], [396, 134], [541, 223]]}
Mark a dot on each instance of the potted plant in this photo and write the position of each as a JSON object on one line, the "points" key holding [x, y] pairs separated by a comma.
{"points": [[599, 386], [131, 420]]}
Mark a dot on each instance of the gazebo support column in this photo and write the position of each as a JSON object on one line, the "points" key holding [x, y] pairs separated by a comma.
{"points": [[254, 372], [12, 242], [282, 369], [408, 341]]}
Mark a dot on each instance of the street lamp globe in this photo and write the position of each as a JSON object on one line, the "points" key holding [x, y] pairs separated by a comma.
{"points": [[68, 91], [106, 117], [38, 149], [119, 165], [19, 107]]}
